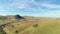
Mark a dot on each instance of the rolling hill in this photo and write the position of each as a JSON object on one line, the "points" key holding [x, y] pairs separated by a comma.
{"points": [[31, 25]]}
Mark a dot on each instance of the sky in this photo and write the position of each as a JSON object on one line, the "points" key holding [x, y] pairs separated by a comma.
{"points": [[40, 8]]}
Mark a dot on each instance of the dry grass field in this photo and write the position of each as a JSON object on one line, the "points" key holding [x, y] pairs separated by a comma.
{"points": [[32, 25]]}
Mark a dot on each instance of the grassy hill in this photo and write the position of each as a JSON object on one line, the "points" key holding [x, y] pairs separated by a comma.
{"points": [[32, 25]]}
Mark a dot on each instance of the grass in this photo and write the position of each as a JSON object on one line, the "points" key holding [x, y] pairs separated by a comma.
{"points": [[40, 26], [46, 27]]}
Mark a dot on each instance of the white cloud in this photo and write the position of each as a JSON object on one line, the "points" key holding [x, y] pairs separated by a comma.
{"points": [[24, 4], [19, 4], [50, 5]]}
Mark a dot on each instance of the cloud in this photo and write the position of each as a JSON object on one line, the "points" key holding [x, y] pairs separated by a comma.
{"points": [[28, 5], [50, 5], [20, 4], [24, 4], [31, 7]]}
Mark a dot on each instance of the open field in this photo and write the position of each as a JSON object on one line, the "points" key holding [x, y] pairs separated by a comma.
{"points": [[34, 25]]}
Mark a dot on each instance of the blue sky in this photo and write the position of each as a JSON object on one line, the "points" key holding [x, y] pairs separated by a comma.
{"points": [[43, 8]]}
